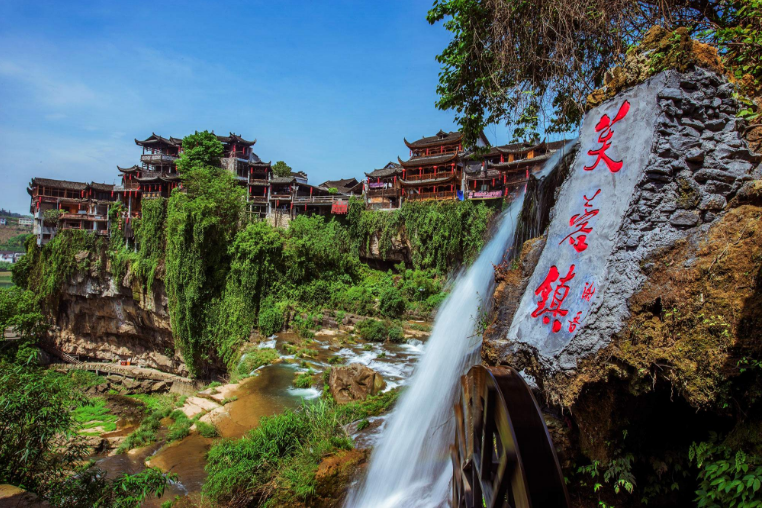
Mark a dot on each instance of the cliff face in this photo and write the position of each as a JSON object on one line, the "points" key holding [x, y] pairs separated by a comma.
{"points": [[100, 318], [667, 347]]}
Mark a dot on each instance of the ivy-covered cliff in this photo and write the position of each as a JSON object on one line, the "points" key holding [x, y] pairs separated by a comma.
{"points": [[201, 277]]}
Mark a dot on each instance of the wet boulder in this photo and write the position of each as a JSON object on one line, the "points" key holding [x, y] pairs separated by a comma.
{"points": [[354, 382]]}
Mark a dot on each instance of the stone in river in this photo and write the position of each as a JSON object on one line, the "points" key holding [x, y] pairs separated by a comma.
{"points": [[354, 382]]}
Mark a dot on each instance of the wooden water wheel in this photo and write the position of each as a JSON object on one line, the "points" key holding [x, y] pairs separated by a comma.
{"points": [[503, 455]]}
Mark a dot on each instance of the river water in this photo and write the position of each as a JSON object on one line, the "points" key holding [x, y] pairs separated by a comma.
{"points": [[410, 465], [269, 392]]}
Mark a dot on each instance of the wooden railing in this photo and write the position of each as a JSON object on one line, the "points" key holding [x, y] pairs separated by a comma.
{"points": [[426, 176], [442, 195], [383, 192], [157, 158], [316, 199], [258, 182]]}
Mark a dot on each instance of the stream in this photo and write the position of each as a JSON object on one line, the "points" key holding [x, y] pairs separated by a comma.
{"points": [[269, 391]]}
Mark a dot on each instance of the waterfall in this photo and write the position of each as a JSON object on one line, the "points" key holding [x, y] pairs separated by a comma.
{"points": [[410, 465], [540, 195]]}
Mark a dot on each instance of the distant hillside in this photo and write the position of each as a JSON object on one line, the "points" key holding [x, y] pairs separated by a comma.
{"points": [[8, 213]]}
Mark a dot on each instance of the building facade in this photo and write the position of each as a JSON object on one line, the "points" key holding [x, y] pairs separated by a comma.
{"points": [[63, 205], [440, 168]]}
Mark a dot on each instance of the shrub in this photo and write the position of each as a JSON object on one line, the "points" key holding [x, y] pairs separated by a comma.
{"points": [[371, 330], [274, 465], [391, 303], [271, 317], [255, 358], [395, 334], [304, 380], [358, 300]]}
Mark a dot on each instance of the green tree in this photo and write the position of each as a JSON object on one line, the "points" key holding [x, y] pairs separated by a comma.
{"points": [[20, 312], [36, 428], [282, 169], [255, 265], [201, 223], [532, 65]]}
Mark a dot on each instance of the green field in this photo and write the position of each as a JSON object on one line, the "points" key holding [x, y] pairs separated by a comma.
{"points": [[5, 280]]}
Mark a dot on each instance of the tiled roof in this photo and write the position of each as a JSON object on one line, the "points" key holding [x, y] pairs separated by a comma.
{"points": [[429, 160], [389, 170], [102, 187], [521, 162], [341, 185], [64, 184], [235, 138], [155, 139], [131, 169], [439, 139]]}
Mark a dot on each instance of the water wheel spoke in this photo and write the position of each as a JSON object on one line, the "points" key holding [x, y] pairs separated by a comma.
{"points": [[488, 459]]}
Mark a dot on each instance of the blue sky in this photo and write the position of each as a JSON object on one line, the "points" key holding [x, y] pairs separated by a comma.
{"points": [[329, 87]]}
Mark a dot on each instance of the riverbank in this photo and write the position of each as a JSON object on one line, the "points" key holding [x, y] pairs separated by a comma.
{"points": [[296, 373]]}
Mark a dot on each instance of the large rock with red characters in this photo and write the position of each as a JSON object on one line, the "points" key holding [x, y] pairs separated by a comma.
{"points": [[654, 164]]}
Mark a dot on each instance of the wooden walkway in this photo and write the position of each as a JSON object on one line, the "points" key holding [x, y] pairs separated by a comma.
{"points": [[127, 371]]}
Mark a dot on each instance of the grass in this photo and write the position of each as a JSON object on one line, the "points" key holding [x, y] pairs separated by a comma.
{"points": [[180, 427], [336, 359], [85, 379], [419, 327], [94, 414], [5, 279], [252, 359], [304, 380], [207, 430], [275, 464], [159, 406], [229, 400]]}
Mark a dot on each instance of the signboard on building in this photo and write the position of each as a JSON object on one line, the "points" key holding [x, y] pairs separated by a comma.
{"points": [[474, 195], [340, 207]]}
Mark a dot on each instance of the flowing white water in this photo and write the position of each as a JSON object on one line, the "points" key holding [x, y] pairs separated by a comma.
{"points": [[410, 465]]}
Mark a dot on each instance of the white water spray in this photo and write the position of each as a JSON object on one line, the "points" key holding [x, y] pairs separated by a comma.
{"points": [[410, 465]]}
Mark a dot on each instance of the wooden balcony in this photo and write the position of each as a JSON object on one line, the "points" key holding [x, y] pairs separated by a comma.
{"points": [[158, 159], [388, 193], [412, 175], [441, 195], [328, 200], [258, 182]]}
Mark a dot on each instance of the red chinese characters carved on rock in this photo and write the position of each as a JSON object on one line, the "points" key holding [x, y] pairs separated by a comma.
{"points": [[559, 293], [605, 129], [581, 224], [575, 322], [588, 291]]}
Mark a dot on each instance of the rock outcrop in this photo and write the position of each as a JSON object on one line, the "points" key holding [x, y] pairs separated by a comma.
{"points": [[354, 382], [98, 318], [682, 159], [667, 350]]}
